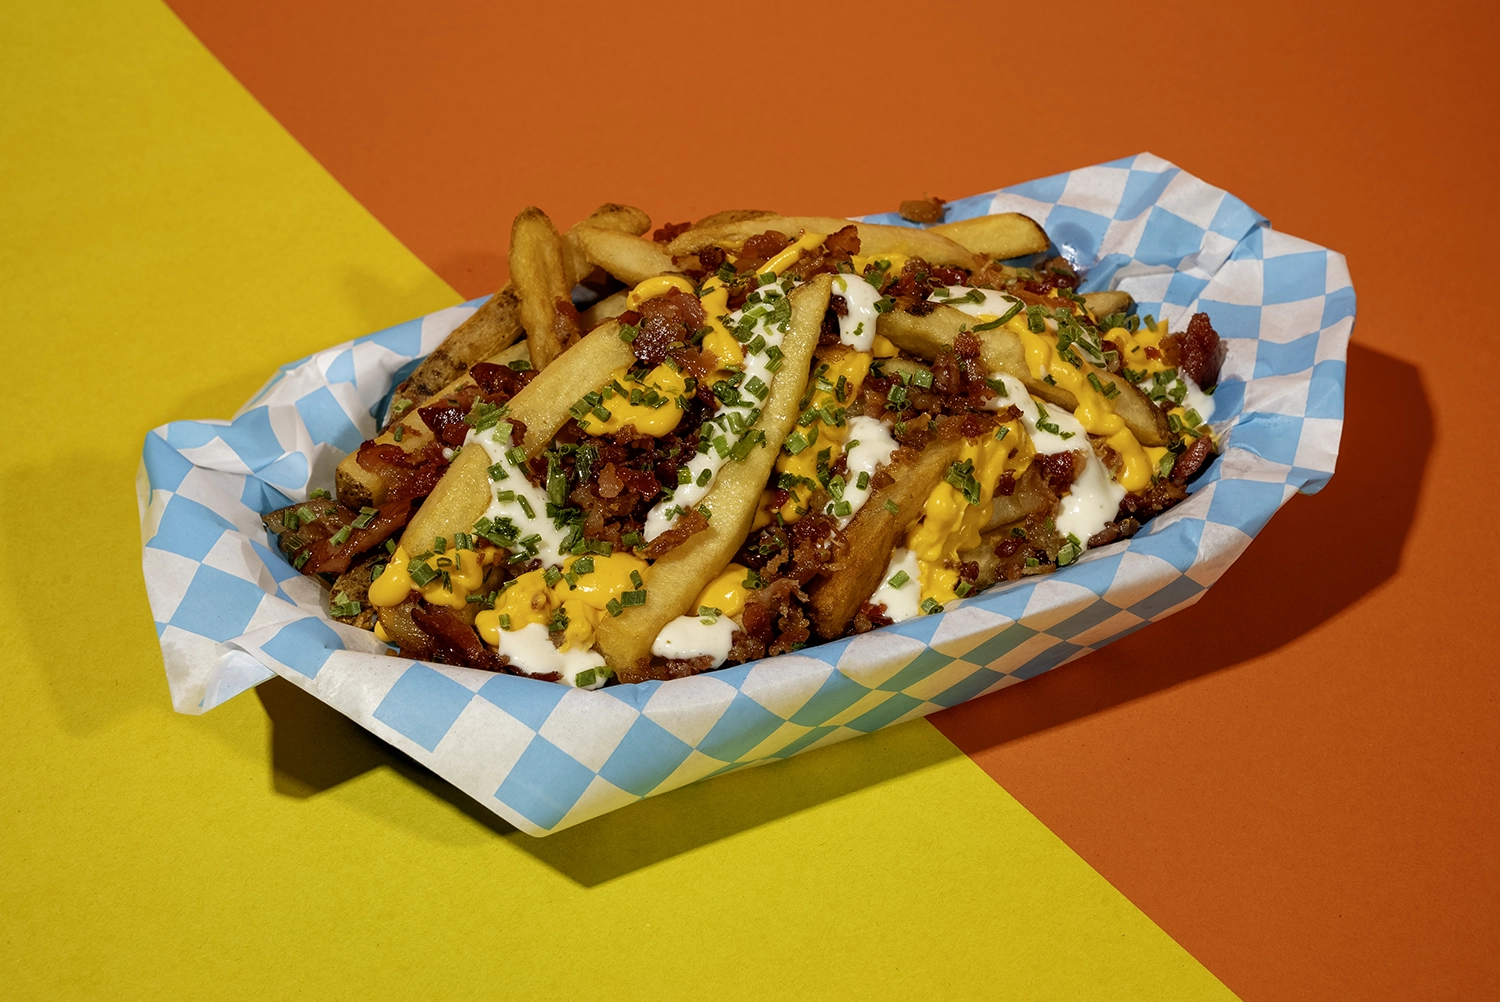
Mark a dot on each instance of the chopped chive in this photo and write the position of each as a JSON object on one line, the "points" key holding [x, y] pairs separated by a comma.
{"points": [[930, 605], [898, 579]]}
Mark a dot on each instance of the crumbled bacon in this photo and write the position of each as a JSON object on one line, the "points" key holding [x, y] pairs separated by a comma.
{"points": [[671, 231], [666, 321], [765, 245], [500, 381], [922, 210], [1059, 469], [1192, 459], [1199, 353], [689, 523]]}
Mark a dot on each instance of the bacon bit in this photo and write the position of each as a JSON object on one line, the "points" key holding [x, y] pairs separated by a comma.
{"points": [[744, 647], [922, 210], [828, 333], [1059, 469], [688, 523], [710, 259], [870, 616], [1192, 459], [1153, 353], [844, 241], [610, 484], [1006, 485], [671, 231], [1200, 356], [406, 474], [666, 321], [698, 364], [500, 380], [1122, 529], [568, 325], [1157, 498], [447, 423], [765, 245], [967, 345]]}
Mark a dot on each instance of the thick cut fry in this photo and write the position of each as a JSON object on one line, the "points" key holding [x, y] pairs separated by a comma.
{"points": [[874, 239], [1031, 494], [605, 309], [463, 494], [494, 326], [536, 271], [728, 216], [356, 485], [629, 258], [609, 216], [998, 237], [1102, 304], [1002, 351], [872, 535], [679, 576]]}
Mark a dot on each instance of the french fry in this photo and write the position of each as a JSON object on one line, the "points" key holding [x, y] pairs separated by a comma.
{"points": [[609, 216], [728, 216], [1031, 494], [872, 535], [678, 577], [630, 259], [536, 271], [874, 239], [463, 494], [356, 485], [496, 325], [1001, 351], [998, 237], [1102, 304]]}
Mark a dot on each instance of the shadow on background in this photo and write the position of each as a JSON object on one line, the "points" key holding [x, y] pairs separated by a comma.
{"points": [[1314, 559], [1317, 557]]}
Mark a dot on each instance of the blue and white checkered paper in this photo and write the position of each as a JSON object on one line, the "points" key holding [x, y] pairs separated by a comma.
{"points": [[230, 611]]}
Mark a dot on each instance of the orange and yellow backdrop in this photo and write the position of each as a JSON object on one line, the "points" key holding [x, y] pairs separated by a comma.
{"points": [[1289, 791]]}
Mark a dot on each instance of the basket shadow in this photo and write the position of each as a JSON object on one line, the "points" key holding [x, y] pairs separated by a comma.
{"points": [[315, 748], [1317, 557]]}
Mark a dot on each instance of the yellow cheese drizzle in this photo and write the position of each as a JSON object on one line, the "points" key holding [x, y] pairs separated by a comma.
{"points": [[465, 570], [727, 592], [950, 524], [821, 436], [529, 599], [1133, 355]]}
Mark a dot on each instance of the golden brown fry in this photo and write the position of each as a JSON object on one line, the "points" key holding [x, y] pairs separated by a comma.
{"points": [[1002, 351], [463, 494], [999, 237], [356, 485], [1102, 304], [679, 576], [874, 239], [872, 535], [494, 326], [728, 216], [630, 259], [609, 216], [1031, 494], [536, 271]]}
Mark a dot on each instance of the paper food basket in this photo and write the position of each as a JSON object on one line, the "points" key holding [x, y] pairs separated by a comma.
{"points": [[230, 611]]}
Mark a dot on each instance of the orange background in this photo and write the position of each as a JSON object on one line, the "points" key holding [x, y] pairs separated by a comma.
{"points": [[1297, 778]]}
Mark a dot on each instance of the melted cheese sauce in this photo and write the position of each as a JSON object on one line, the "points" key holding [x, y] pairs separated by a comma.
{"points": [[1133, 347], [460, 573], [649, 403], [821, 431]]}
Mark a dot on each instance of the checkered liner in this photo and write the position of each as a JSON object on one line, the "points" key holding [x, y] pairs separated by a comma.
{"points": [[230, 611]]}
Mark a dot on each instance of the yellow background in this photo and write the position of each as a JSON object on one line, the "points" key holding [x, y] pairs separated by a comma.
{"points": [[164, 244]]}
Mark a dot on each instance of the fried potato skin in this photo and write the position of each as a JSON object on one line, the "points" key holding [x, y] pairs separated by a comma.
{"points": [[496, 325], [872, 536], [631, 259], [679, 576], [539, 279], [998, 237]]}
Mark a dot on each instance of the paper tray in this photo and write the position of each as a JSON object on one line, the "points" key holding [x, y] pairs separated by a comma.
{"points": [[230, 611]]}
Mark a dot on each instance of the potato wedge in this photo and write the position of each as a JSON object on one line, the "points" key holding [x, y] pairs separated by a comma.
{"points": [[1102, 304], [494, 326], [463, 494], [356, 485], [609, 216], [728, 216], [874, 239], [1002, 352], [999, 237], [872, 535], [537, 273], [630, 259], [1031, 494], [678, 577]]}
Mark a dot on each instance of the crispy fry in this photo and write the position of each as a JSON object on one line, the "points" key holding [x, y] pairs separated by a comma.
{"points": [[872, 535], [678, 577], [1031, 494], [356, 485], [494, 326], [630, 259], [1002, 352], [998, 237], [930, 245], [1102, 304], [536, 271], [728, 216], [609, 216], [463, 494]]}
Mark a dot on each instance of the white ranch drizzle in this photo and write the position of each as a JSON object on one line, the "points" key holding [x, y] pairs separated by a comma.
{"points": [[868, 448], [961, 298], [549, 535], [903, 602], [694, 636], [857, 326], [531, 649]]}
